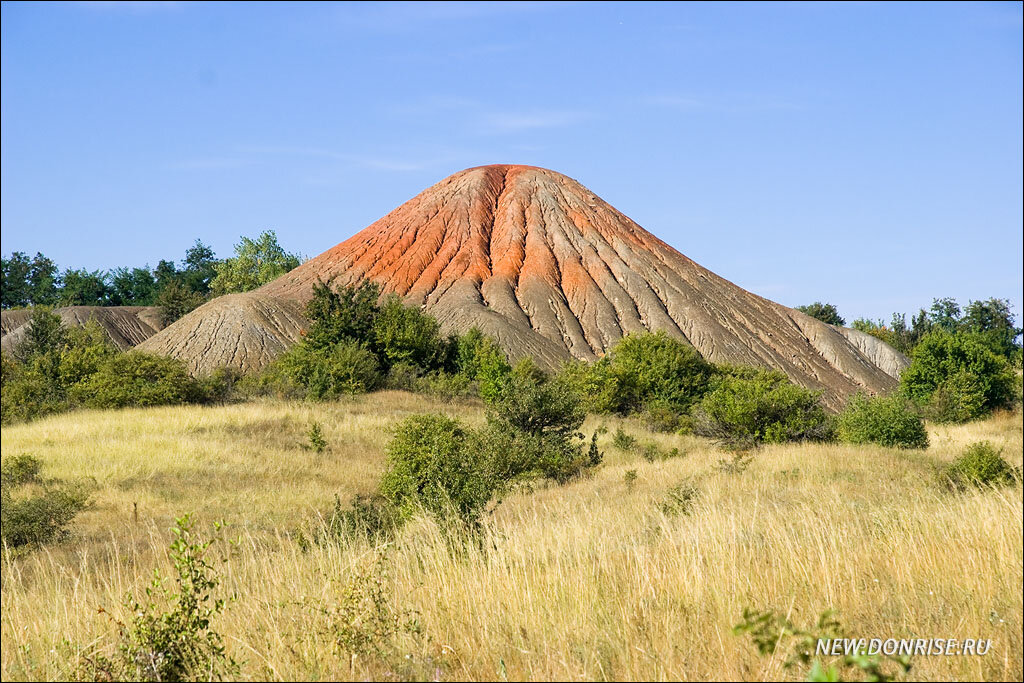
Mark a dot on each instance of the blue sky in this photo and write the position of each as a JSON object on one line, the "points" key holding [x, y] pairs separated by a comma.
{"points": [[869, 155]]}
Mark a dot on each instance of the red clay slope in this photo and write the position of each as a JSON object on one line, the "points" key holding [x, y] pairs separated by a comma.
{"points": [[535, 259]]}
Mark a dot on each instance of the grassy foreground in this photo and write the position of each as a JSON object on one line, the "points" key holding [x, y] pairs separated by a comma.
{"points": [[592, 580]]}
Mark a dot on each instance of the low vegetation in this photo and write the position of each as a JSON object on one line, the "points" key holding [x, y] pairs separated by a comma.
{"points": [[887, 421], [35, 511], [557, 583]]}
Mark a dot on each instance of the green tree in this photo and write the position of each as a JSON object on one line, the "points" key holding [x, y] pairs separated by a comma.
{"points": [[84, 288], [14, 286], [826, 313], [958, 376], [200, 268], [945, 314], [132, 287], [27, 282], [993, 320], [255, 263], [176, 300]]}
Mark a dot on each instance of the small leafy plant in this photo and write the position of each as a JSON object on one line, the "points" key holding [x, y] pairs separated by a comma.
{"points": [[738, 464], [623, 441], [679, 499], [317, 442], [772, 632], [178, 643], [363, 622]]}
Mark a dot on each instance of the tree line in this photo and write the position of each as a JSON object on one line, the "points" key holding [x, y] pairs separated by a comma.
{"points": [[176, 287]]}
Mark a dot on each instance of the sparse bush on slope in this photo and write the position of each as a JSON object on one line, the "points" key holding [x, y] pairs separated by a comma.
{"points": [[180, 643]]}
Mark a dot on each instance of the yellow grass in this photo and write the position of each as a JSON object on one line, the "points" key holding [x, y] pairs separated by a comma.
{"points": [[585, 581]]}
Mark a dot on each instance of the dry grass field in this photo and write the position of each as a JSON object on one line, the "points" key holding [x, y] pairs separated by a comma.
{"points": [[597, 579]]}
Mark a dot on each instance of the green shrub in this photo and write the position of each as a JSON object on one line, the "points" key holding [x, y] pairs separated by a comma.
{"points": [[32, 390], [826, 313], [480, 359], [533, 425], [887, 421], [447, 387], [642, 368], [660, 416], [19, 470], [345, 313], [176, 300], [679, 499], [371, 517], [404, 334], [45, 333], [403, 377], [652, 452], [623, 440], [347, 367], [981, 465], [430, 468], [137, 379], [957, 376], [751, 406], [179, 644], [34, 511], [363, 622], [317, 442]]}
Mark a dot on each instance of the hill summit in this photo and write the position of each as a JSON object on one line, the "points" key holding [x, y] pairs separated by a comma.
{"points": [[551, 271]]}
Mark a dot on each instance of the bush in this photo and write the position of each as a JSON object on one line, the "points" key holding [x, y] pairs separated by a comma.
{"points": [[660, 416], [887, 421], [346, 313], [981, 465], [34, 511], [957, 376], [826, 313], [750, 406], [533, 426], [480, 359], [179, 644], [347, 367], [639, 369], [407, 335], [317, 442], [137, 379], [623, 440], [371, 517], [430, 468], [219, 385]]}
